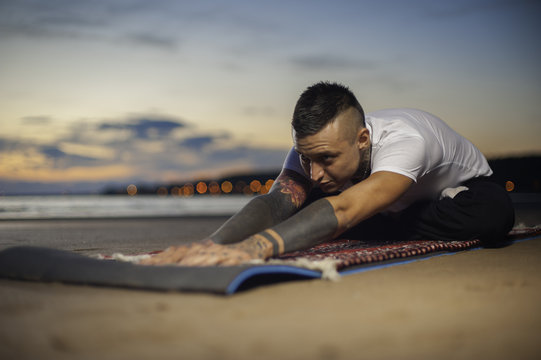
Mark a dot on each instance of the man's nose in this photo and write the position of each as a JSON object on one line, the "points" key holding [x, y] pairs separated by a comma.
{"points": [[316, 172]]}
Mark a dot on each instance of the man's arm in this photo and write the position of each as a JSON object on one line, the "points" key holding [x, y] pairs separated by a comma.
{"points": [[320, 221], [287, 195], [327, 218]]}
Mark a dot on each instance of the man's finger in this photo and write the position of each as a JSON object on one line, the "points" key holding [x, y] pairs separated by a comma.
{"points": [[170, 255], [202, 259]]}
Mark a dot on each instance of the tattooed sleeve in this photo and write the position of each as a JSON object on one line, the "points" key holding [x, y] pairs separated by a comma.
{"points": [[286, 197]]}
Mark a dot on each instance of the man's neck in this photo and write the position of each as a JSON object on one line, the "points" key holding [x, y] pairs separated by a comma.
{"points": [[364, 167]]}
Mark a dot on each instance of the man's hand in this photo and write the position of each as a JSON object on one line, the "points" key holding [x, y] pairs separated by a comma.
{"points": [[206, 253]]}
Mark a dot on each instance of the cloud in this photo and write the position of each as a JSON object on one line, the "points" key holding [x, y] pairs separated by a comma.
{"points": [[455, 9], [145, 128], [7, 144], [153, 40], [55, 18], [52, 152], [324, 61], [202, 141], [95, 20], [36, 120], [255, 157], [145, 148]]}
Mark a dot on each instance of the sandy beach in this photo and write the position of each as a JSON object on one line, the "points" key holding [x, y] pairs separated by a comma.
{"points": [[481, 304]]}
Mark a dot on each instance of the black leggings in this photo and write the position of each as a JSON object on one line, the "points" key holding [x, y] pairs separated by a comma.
{"points": [[484, 212]]}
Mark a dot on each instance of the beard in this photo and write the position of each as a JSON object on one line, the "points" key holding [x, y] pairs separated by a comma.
{"points": [[364, 169]]}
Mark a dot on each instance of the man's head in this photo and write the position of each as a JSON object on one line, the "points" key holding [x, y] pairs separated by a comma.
{"points": [[330, 136], [320, 104]]}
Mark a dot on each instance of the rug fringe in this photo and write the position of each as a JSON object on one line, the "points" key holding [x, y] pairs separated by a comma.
{"points": [[125, 258], [328, 267]]}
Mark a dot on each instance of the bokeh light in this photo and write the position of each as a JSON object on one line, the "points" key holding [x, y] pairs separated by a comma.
{"points": [[214, 188], [239, 186], [227, 187], [255, 186], [187, 189], [131, 189], [247, 190], [201, 187], [509, 186], [162, 191]]}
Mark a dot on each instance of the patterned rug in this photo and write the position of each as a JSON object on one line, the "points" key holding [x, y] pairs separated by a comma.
{"points": [[346, 253]]}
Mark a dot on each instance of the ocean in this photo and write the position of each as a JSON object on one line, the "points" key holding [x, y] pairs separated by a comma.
{"points": [[103, 206]]}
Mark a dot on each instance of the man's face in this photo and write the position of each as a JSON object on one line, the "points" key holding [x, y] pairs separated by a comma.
{"points": [[333, 156]]}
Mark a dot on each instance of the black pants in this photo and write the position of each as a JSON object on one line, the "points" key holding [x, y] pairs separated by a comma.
{"points": [[484, 212]]}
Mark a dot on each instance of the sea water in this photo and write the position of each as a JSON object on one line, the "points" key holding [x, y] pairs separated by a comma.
{"points": [[103, 206]]}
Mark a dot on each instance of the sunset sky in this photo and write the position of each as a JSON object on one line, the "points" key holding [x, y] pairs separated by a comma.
{"points": [[150, 91]]}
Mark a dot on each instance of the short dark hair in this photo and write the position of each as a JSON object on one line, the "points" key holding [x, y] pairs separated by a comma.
{"points": [[319, 104]]}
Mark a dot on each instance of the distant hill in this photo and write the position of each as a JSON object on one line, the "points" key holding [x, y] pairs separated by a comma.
{"points": [[524, 173]]}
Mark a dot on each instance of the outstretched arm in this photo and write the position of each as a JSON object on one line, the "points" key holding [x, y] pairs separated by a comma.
{"points": [[287, 195], [285, 198], [320, 221], [326, 218]]}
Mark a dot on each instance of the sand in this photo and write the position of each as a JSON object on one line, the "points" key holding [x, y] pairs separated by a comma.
{"points": [[481, 304]]}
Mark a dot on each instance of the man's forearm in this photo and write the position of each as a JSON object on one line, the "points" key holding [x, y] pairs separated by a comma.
{"points": [[260, 213], [285, 198], [314, 224]]}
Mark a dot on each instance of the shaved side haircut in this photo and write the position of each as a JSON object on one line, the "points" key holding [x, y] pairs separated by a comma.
{"points": [[319, 105]]}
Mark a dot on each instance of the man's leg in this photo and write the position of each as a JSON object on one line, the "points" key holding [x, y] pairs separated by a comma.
{"points": [[484, 212]]}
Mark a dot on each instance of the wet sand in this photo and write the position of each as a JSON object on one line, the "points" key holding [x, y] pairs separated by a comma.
{"points": [[482, 304]]}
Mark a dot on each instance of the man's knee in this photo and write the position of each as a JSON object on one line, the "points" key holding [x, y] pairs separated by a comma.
{"points": [[489, 212], [484, 211]]}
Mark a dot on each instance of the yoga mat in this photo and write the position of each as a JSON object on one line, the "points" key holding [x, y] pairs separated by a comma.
{"points": [[347, 256]]}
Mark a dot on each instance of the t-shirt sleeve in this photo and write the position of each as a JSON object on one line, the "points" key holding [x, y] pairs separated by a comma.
{"points": [[404, 155], [293, 162]]}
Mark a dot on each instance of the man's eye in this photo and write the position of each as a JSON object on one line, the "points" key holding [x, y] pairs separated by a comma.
{"points": [[327, 158]]}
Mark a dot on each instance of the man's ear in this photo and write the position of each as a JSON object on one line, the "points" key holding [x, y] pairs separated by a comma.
{"points": [[363, 138]]}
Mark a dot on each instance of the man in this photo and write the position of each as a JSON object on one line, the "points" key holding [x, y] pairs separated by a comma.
{"points": [[396, 173]]}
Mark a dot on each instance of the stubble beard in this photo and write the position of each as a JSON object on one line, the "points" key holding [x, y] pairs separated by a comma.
{"points": [[363, 171]]}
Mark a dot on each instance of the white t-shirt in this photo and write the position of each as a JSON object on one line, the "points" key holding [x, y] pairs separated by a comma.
{"points": [[420, 146]]}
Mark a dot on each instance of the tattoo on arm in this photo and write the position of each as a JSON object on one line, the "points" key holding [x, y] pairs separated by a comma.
{"points": [[287, 195], [314, 224], [256, 245], [296, 191]]}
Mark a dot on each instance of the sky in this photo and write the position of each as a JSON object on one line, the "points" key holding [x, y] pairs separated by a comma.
{"points": [[125, 91]]}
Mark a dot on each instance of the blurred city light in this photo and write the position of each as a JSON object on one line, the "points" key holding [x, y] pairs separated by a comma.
{"points": [[255, 186], [176, 191], [214, 188], [239, 186], [201, 187], [269, 184], [246, 186], [188, 189], [132, 190], [227, 187]]}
